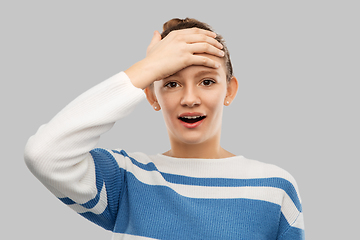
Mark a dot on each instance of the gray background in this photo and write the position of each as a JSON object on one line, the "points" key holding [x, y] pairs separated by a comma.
{"points": [[297, 106]]}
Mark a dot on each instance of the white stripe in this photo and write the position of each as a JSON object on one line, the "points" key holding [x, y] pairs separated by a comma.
{"points": [[233, 167], [99, 208], [299, 223], [291, 213], [218, 168], [122, 236]]}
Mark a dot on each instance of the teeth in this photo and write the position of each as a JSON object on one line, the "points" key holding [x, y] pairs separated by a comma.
{"points": [[191, 117]]}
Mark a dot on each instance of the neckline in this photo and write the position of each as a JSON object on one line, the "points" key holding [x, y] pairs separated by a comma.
{"points": [[197, 167], [198, 159]]}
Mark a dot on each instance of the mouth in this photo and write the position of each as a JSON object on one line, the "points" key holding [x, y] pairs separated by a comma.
{"points": [[191, 120]]}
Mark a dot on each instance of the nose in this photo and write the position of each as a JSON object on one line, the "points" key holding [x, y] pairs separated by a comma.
{"points": [[190, 97]]}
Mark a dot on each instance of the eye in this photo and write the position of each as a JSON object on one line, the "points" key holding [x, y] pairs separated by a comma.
{"points": [[207, 82], [172, 85]]}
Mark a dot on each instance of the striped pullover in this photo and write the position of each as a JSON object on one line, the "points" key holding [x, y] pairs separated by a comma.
{"points": [[139, 196]]}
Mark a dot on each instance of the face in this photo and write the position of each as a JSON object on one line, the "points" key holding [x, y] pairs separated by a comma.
{"points": [[192, 103]]}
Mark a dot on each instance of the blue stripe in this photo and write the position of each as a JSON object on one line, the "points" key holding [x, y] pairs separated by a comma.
{"points": [[67, 201], [104, 220], [293, 234], [90, 204], [108, 172], [280, 183], [230, 182], [148, 167], [288, 232]]}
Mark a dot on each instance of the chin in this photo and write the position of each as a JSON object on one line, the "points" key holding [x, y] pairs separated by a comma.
{"points": [[193, 139], [195, 136]]}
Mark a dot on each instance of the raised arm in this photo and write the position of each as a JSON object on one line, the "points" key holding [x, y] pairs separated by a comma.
{"points": [[61, 153]]}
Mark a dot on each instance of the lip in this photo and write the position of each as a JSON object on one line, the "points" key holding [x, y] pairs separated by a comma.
{"points": [[191, 114], [192, 125]]}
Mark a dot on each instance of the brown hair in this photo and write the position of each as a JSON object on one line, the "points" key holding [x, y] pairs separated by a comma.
{"points": [[177, 24]]}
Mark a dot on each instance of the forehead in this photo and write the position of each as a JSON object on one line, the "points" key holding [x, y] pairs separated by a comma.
{"points": [[198, 71]]}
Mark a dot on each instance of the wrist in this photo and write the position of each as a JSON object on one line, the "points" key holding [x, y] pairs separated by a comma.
{"points": [[141, 74]]}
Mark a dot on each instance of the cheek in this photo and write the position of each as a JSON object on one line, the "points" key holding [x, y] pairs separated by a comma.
{"points": [[215, 98], [167, 101], [168, 104]]}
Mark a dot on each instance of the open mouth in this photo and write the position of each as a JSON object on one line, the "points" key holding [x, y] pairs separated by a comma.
{"points": [[191, 119]]}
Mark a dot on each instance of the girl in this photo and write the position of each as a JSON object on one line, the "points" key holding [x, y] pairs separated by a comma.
{"points": [[197, 189]]}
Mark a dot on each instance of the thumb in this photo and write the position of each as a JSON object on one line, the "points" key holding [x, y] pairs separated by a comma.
{"points": [[155, 39]]}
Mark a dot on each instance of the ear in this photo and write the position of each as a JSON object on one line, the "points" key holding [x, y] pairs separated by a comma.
{"points": [[232, 88], [151, 97]]}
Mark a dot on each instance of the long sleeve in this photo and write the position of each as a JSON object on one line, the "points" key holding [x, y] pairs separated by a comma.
{"points": [[294, 231], [291, 225], [60, 153]]}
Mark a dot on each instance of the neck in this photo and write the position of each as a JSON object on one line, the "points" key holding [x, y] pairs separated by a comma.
{"points": [[210, 149]]}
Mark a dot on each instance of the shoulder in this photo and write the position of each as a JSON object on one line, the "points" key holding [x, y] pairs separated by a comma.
{"points": [[269, 175], [245, 168], [266, 170], [262, 174]]}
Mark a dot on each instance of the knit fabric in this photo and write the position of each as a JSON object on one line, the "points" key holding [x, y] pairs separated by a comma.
{"points": [[139, 196]]}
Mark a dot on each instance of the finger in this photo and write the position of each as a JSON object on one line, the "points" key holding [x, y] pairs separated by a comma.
{"points": [[202, 60], [198, 31], [197, 38], [197, 48], [155, 39], [193, 31]]}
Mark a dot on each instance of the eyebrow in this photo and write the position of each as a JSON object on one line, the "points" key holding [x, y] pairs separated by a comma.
{"points": [[205, 72], [198, 74]]}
